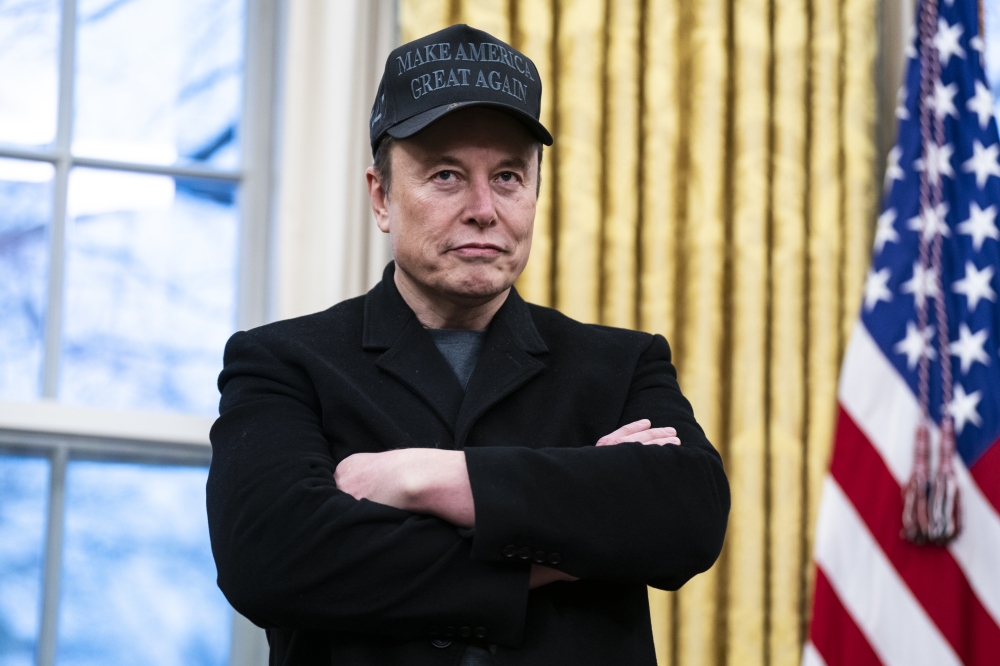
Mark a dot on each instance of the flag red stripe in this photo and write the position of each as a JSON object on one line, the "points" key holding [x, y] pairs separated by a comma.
{"points": [[931, 572], [833, 631], [986, 472]]}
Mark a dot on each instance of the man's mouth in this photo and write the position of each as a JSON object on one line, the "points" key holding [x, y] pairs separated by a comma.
{"points": [[477, 250]]}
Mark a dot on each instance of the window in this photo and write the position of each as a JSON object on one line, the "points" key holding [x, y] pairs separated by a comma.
{"points": [[123, 202], [135, 169], [104, 554], [991, 23]]}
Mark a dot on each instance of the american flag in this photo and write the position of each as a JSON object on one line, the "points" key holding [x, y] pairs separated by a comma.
{"points": [[880, 598]]}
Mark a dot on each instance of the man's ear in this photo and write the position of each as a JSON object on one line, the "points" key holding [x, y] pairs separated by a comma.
{"points": [[379, 199]]}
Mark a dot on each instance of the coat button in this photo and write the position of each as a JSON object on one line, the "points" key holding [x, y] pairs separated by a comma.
{"points": [[449, 632], [439, 643], [480, 632], [465, 632], [509, 551], [539, 556], [555, 558], [524, 552]]}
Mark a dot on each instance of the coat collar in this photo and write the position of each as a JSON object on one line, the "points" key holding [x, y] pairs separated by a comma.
{"points": [[505, 363]]}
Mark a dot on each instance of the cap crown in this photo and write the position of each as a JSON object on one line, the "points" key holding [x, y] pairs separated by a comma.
{"points": [[454, 66]]}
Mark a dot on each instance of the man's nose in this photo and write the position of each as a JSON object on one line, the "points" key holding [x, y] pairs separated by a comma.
{"points": [[481, 208]]}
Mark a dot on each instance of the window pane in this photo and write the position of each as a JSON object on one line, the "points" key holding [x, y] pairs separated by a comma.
{"points": [[29, 71], [25, 209], [24, 494], [991, 19], [138, 582], [150, 295], [159, 82]]}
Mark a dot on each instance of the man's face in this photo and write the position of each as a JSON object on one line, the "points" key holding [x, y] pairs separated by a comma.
{"points": [[462, 204]]}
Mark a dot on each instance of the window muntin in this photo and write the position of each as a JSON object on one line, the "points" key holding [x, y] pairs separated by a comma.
{"points": [[115, 304]]}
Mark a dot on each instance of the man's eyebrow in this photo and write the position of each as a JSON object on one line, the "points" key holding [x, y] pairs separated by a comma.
{"points": [[434, 160], [513, 163], [506, 163]]}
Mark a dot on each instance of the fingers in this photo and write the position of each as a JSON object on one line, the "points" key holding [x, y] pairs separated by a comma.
{"points": [[635, 432], [625, 430], [647, 435], [664, 440]]}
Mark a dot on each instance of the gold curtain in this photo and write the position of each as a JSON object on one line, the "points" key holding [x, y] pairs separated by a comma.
{"points": [[713, 180]]}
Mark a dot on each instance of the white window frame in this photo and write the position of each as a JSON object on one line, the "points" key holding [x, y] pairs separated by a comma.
{"points": [[59, 432]]}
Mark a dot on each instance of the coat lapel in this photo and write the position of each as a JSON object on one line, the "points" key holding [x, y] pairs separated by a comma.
{"points": [[505, 363], [410, 354]]}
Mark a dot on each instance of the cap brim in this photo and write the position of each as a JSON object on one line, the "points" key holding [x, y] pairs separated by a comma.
{"points": [[411, 126]]}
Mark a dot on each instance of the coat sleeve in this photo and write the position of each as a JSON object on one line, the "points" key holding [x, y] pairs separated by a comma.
{"points": [[294, 551], [630, 513]]}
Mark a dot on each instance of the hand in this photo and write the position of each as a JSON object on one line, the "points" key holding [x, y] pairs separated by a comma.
{"points": [[431, 481], [640, 431], [544, 575]]}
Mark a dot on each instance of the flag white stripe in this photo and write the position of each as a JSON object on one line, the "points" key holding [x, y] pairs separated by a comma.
{"points": [[884, 407], [893, 621], [879, 401], [977, 548], [811, 656]]}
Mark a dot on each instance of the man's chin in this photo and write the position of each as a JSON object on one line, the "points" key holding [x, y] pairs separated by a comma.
{"points": [[474, 294], [476, 286]]}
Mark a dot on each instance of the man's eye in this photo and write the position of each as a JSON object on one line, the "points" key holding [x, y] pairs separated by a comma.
{"points": [[507, 176], [445, 175]]}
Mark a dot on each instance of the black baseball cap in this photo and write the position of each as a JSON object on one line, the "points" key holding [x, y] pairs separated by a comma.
{"points": [[449, 70]]}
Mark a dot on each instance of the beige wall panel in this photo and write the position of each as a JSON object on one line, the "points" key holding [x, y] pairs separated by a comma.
{"points": [[702, 254], [580, 44], [824, 247], [788, 346], [532, 35], [661, 179], [493, 16], [422, 17], [745, 461], [621, 165]]}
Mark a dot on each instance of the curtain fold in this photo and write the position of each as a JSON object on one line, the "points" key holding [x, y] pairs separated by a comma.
{"points": [[713, 180], [327, 245]]}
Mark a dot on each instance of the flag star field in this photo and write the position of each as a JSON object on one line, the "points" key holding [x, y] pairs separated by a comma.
{"points": [[878, 597]]}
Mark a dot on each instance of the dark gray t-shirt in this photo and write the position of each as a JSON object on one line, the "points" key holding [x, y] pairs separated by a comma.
{"points": [[460, 348]]}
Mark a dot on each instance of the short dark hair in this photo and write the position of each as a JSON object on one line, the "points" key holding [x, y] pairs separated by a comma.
{"points": [[383, 164]]}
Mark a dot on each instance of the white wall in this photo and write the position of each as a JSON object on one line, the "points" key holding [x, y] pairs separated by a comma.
{"points": [[327, 247]]}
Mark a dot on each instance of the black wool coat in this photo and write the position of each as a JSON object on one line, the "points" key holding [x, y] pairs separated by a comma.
{"points": [[340, 581]]}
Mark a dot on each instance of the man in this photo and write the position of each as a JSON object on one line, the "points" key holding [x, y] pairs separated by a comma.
{"points": [[437, 472]]}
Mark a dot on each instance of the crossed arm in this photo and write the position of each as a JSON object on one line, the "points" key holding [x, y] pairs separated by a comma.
{"points": [[296, 547], [436, 482]]}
